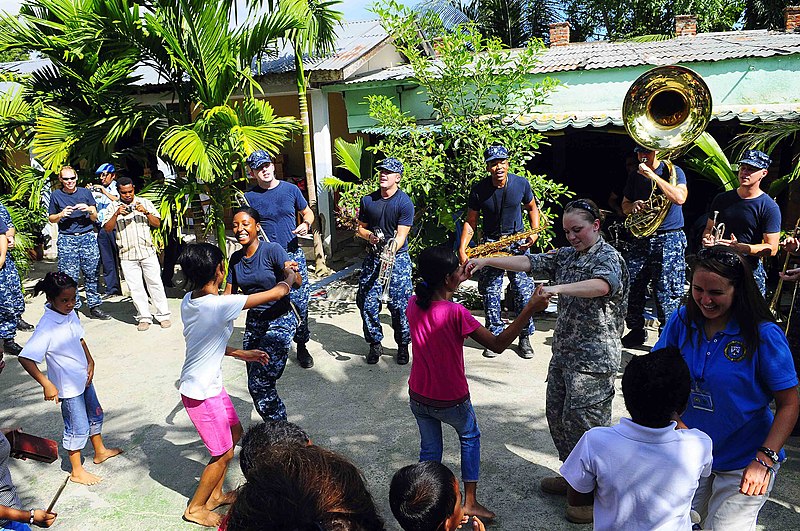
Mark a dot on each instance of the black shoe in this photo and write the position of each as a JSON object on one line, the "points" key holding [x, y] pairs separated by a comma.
{"points": [[375, 353], [402, 354], [24, 326], [97, 313], [11, 347], [107, 296], [525, 348], [489, 353], [634, 338], [303, 357]]}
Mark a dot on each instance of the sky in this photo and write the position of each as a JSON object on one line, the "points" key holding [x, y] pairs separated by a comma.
{"points": [[352, 9]]}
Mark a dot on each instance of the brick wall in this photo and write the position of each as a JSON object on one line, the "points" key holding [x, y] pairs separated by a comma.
{"points": [[685, 25], [791, 16], [559, 34]]}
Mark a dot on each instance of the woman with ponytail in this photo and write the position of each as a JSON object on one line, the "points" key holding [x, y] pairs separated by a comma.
{"points": [[437, 387]]}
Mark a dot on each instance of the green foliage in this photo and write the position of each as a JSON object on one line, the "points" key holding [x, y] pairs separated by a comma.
{"points": [[767, 137], [475, 87], [514, 22], [707, 159]]}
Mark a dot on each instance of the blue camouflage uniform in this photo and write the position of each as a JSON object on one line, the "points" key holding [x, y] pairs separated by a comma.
{"points": [[12, 301], [586, 341], [660, 258], [107, 241], [278, 208], [501, 216], [385, 214], [268, 327], [77, 243]]}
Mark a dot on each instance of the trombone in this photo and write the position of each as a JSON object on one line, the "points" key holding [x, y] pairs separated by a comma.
{"points": [[775, 303]]}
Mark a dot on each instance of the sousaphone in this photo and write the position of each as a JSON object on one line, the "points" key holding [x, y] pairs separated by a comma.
{"points": [[665, 110]]}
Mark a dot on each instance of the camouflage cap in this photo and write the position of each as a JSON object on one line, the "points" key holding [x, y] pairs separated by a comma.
{"points": [[757, 159], [495, 153], [392, 165], [258, 159]]}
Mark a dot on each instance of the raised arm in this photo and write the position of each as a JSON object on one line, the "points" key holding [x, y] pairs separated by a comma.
{"points": [[585, 289], [467, 231], [498, 343]]}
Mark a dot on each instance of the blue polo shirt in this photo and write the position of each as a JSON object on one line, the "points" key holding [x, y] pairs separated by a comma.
{"points": [[78, 222], [638, 188], [260, 272], [387, 214], [747, 219], [500, 207], [741, 384], [278, 208]]}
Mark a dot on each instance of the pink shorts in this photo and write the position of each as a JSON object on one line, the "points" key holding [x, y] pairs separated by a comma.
{"points": [[213, 417]]}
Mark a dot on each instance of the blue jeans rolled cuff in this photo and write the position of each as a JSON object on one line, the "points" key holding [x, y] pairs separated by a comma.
{"points": [[83, 417], [462, 418]]}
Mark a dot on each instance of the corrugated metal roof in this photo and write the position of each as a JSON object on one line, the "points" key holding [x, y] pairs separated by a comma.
{"points": [[600, 55], [353, 41], [558, 121]]}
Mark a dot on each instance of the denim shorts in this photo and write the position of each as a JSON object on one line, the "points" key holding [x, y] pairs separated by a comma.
{"points": [[83, 417]]}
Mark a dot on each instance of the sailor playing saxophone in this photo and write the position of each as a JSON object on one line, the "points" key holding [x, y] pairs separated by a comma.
{"points": [[497, 200], [385, 215], [658, 257]]}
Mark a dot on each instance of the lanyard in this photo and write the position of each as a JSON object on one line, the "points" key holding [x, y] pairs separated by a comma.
{"points": [[499, 212], [700, 368]]}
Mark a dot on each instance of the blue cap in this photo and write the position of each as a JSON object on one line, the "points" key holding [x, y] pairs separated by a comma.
{"points": [[757, 159], [392, 165], [258, 159], [495, 153], [106, 168], [642, 149]]}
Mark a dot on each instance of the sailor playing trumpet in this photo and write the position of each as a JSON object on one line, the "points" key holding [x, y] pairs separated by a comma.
{"points": [[497, 199], [385, 212]]}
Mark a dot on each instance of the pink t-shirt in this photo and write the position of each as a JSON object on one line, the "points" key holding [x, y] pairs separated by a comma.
{"points": [[437, 337]]}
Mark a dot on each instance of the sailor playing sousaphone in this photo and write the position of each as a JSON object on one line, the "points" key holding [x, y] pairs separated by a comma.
{"points": [[664, 110], [497, 199]]}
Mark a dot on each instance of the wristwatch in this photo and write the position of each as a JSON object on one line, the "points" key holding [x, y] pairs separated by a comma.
{"points": [[772, 454]]}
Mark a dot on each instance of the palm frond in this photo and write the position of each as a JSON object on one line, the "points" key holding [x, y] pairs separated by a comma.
{"points": [[349, 155]]}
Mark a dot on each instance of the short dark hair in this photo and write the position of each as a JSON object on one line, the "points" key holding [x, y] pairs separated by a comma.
{"points": [[304, 488], [433, 266], [422, 496], [262, 437], [656, 386], [250, 211], [124, 181], [199, 262]]}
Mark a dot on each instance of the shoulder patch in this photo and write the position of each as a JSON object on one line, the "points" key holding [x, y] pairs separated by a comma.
{"points": [[735, 351]]}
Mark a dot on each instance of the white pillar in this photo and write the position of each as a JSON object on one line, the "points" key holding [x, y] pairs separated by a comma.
{"points": [[323, 162]]}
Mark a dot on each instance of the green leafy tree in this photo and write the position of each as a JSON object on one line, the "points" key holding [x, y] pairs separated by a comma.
{"points": [[514, 22], [476, 88]]}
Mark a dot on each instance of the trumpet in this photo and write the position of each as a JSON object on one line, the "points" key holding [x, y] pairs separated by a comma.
{"points": [[717, 230], [387, 258], [240, 198]]}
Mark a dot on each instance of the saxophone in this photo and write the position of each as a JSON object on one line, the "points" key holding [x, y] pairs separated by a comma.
{"points": [[645, 222], [500, 247]]}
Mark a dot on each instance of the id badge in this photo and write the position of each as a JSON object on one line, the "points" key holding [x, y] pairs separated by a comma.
{"points": [[701, 401]]}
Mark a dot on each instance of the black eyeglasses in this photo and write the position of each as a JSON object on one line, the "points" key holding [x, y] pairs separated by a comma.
{"points": [[73, 178], [583, 205], [729, 258]]}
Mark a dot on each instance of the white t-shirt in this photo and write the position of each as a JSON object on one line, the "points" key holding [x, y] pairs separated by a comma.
{"points": [[57, 340], [643, 478], [207, 327]]}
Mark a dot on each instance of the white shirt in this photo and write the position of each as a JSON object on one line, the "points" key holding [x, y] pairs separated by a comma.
{"points": [[643, 478], [207, 327], [57, 340]]}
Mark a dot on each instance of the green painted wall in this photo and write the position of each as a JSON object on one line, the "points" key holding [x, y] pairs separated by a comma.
{"points": [[738, 82]]}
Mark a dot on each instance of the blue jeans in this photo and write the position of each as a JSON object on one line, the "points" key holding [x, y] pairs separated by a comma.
{"points": [[462, 418], [16, 526], [83, 417]]}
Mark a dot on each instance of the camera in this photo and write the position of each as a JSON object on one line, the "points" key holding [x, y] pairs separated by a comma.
{"points": [[97, 188]]}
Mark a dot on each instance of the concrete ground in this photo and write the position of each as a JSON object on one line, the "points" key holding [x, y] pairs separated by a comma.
{"points": [[357, 409]]}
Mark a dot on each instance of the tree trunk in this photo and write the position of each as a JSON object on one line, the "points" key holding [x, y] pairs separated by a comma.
{"points": [[321, 268]]}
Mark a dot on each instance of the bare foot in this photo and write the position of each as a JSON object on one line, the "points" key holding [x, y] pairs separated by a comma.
{"points": [[85, 478], [226, 499], [480, 511], [107, 454], [203, 517]]}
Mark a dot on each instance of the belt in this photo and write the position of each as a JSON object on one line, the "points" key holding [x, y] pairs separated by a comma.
{"points": [[667, 231], [79, 234]]}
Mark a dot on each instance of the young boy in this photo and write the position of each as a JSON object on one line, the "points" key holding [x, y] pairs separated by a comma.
{"points": [[643, 472]]}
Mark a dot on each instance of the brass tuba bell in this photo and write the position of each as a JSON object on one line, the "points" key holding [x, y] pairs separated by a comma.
{"points": [[665, 110]]}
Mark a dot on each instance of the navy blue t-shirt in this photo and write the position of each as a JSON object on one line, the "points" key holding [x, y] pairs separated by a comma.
{"points": [[489, 200], [278, 208], [387, 214], [747, 219], [78, 222], [638, 188], [260, 272], [3, 227]]}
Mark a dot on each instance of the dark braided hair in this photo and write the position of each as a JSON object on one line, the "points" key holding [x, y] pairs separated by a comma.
{"points": [[53, 284], [433, 266]]}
